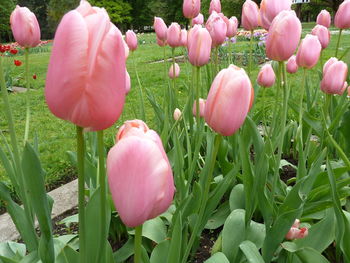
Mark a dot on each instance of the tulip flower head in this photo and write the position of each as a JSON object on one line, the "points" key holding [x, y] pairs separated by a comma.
{"points": [[201, 108], [160, 28], [296, 232], [323, 34], [184, 37], [342, 17], [217, 28], [191, 8], [172, 74], [334, 76], [324, 19], [309, 52], [198, 20], [215, 5], [250, 15], [269, 9], [127, 82], [232, 27], [292, 66], [174, 35], [131, 40], [177, 114], [199, 46], [17, 63], [266, 76]]}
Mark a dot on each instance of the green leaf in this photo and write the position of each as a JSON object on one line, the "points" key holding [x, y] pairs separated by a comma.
{"points": [[219, 217], [237, 200], [251, 252], [305, 254], [217, 258], [125, 251], [256, 233], [67, 255], [154, 230], [174, 255], [160, 252], [12, 251]]}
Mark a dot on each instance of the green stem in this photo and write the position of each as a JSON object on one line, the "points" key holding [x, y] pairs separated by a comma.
{"points": [[26, 131], [197, 69], [217, 59], [142, 103], [173, 92], [338, 42], [277, 99], [81, 197], [302, 98], [138, 244], [250, 52]]}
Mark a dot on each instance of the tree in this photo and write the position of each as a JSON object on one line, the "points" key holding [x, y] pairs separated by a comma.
{"points": [[6, 8]]}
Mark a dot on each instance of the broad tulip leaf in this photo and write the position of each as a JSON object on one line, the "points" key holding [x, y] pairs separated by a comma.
{"points": [[237, 200], [125, 251], [160, 252], [251, 252], [217, 258], [174, 255], [154, 230]]}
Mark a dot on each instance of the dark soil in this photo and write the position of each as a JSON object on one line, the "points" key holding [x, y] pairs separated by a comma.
{"points": [[288, 171], [207, 241]]}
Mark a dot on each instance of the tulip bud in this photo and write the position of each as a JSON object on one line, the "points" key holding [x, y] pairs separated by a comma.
{"points": [[201, 108], [217, 28], [25, 27], [199, 46], [342, 17], [127, 82], [184, 37], [292, 66], [309, 52], [174, 35], [324, 18], [284, 35], [131, 40], [215, 5], [171, 71], [198, 20], [126, 49], [177, 114], [191, 8], [160, 28], [250, 15], [266, 76], [232, 27], [334, 76], [139, 175], [269, 9], [228, 100], [296, 233], [323, 35]]}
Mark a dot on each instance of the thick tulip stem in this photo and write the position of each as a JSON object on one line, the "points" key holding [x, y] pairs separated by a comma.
{"points": [[173, 92], [142, 103], [138, 244], [217, 59], [250, 52], [197, 69], [81, 197], [26, 61], [338, 42]]}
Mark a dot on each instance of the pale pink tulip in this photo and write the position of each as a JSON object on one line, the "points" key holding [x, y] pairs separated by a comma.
{"points": [[250, 15], [342, 17], [215, 5], [199, 46], [177, 71], [232, 27], [228, 100], [139, 175], [127, 51], [161, 43], [130, 128], [131, 40], [345, 87], [191, 8], [177, 114], [292, 66], [323, 34], [269, 9], [266, 76], [334, 76], [128, 82], [324, 18], [284, 36], [160, 28], [85, 82], [184, 37], [309, 52], [25, 27], [174, 35], [217, 28], [198, 20], [201, 108]]}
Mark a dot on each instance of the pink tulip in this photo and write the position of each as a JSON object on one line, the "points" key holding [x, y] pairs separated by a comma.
{"points": [[217, 29], [215, 5], [199, 46], [309, 52], [292, 66], [284, 35], [342, 17], [177, 71], [131, 40], [25, 27], [198, 20], [184, 37], [345, 87], [139, 175], [228, 100], [201, 108], [191, 8], [266, 76], [250, 15], [323, 34], [161, 43], [126, 48], [85, 82], [177, 114], [174, 35], [128, 82], [296, 233], [269, 9], [131, 128], [232, 27], [334, 76], [324, 18], [160, 28]]}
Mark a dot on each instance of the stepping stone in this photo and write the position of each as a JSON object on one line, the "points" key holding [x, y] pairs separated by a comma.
{"points": [[19, 89]]}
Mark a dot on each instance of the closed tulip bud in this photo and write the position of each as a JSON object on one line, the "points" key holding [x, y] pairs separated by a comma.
{"points": [[309, 52], [191, 8], [131, 40], [266, 76], [215, 5], [25, 27], [296, 233], [217, 28], [201, 108], [184, 37], [269, 9], [175, 74], [284, 35], [198, 20], [160, 28], [324, 18], [250, 15], [228, 100], [174, 35], [334, 76], [292, 66], [126, 49], [161, 43], [79, 87], [139, 175], [232, 27], [127, 82], [345, 87], [177, 114], [199, 46], [323, 34], [342, 17]]}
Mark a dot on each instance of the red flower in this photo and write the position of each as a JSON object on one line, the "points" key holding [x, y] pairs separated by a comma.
{"points": [[7, 48], [17, 62], [34, 76], [2, 49], [14, 51]]}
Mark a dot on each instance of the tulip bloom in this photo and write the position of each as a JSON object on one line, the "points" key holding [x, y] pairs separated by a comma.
{"points": [[217, 28], [292, 66], [160, 28], [296, 232], [201, 108], [25, 27], [324, 18], [199, 46], [177, 71], [85, 82], [323, 34], [127, 82], [198, 20], [131, 40], [139, 174], [284, 35], [174, 35], [215, 5], [177, 114], [342, 17], [228, 100], [269, 9], [184, 37], [266, 76], [309, 52], [334, 76], [232, 27], [191, 8], [17, 63], [250, 15]]}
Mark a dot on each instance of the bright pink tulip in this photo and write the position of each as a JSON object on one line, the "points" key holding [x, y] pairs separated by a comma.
{"points": [[228, 100], [215, 5], [184, 37], [160, 28], [266, 76], [126, 48], [342, 17], [269, 9], [309, 52], [131, 40], [324, 18], [191, 8], [139, 175], [161, 43], [284, 35], [174, 35], [250, 15], [177, 71], [198, 20], [232, 27], [201, 108], [128, 82], [334, 76], [199, 46], [323, 34], [292, 66], [25, 27], [177, 114], [85, 82], [217, 28]]}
